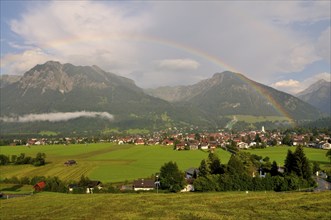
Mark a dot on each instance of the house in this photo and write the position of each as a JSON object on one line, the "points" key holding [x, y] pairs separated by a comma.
{"points": [[204, 146], [92, 185], [39, 186], [191, 173], [194, 145], [168, 142], [325, 146], [181, 146], [243, 145], [126, 187], [188, 188], [70, 162], [71, 187], [143, 184]]}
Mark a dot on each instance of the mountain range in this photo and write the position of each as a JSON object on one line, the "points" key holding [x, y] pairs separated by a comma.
{"points": [[318, 95], [54, 87]]}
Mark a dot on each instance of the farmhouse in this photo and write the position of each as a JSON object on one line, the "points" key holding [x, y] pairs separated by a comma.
{"points": [[92, 185], [70, 162], [71, 187], [142, 184], [243, 145], [191, 173], [39, 186]]}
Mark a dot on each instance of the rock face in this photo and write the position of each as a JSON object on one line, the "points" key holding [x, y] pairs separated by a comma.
{"points": [[318, 95]]}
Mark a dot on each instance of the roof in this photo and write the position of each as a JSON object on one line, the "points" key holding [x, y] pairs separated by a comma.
{"points": [[191, 170], [93, 183], [40, 185], [142, 183]]}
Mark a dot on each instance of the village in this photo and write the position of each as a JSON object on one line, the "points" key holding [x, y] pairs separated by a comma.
{"points": [[193, 141]]}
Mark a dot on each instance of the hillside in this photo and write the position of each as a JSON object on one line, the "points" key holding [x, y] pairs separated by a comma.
{"points": [[6, 80], [318, 95], [231, 93], [230, 205]]}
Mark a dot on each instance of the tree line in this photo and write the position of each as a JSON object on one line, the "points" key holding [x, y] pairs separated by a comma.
{"points": [[39, 160], [243, 172]]}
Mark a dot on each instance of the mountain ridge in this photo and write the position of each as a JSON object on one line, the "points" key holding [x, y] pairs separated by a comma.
{"points": [[318, 94], [55, 87]]}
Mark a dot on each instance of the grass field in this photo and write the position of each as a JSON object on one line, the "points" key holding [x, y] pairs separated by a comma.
{"points": [[104, 162], [231, 205], [15, 189], [279, 154], [117, 163], [255, 119]]}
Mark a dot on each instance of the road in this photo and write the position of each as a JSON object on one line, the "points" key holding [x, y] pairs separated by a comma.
{"points": [[322, 185]]}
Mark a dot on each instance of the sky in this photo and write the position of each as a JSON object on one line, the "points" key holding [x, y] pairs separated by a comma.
{"points": [[283, 44]]}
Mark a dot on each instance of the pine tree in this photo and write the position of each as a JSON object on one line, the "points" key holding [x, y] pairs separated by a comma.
{"points": [[274, 169], [289, 162], [214, 164], [204, 169], [302, 163], [298, 164]]}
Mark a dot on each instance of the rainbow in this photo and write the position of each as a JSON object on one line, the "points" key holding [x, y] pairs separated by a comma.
{"points": [[179, 46]]}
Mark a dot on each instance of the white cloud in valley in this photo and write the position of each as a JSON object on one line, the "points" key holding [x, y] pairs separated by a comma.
{"points": [[57, 116]]}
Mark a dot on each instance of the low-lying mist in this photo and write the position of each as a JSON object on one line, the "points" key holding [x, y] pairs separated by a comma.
{"points": [[57, 116]]}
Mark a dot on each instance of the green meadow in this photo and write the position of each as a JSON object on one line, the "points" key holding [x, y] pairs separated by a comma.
{"points": [[255, 119], [229, 205], [105, 162], [279, 153], [117, 163]]}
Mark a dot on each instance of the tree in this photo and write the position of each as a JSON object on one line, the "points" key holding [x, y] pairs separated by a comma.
{"points": [[40, 159], [171, 178], [298, 163], [204, 169], [289, 163], [302, 163], [328, 154], [274, 169], [4, 160], [257, 138], [287, 140], [316, 167], [235, 166], [214, 164]]}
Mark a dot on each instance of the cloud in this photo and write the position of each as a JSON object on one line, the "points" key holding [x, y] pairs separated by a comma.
{"points": [[58, 116], [82, 33], [287, 85], [178, 64], [17, 64], [294, 86], [323, 46], [259, 39]]}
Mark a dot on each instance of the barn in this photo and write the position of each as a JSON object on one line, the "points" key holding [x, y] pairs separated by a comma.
{"points": [[39, 186]]}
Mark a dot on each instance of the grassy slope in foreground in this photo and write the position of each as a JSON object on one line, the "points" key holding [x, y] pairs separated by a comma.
{"points": [[231, 205]]}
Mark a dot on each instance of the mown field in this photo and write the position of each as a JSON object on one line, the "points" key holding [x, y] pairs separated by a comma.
{"points": [[231, 205], [117, 163], [104, 162]]}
